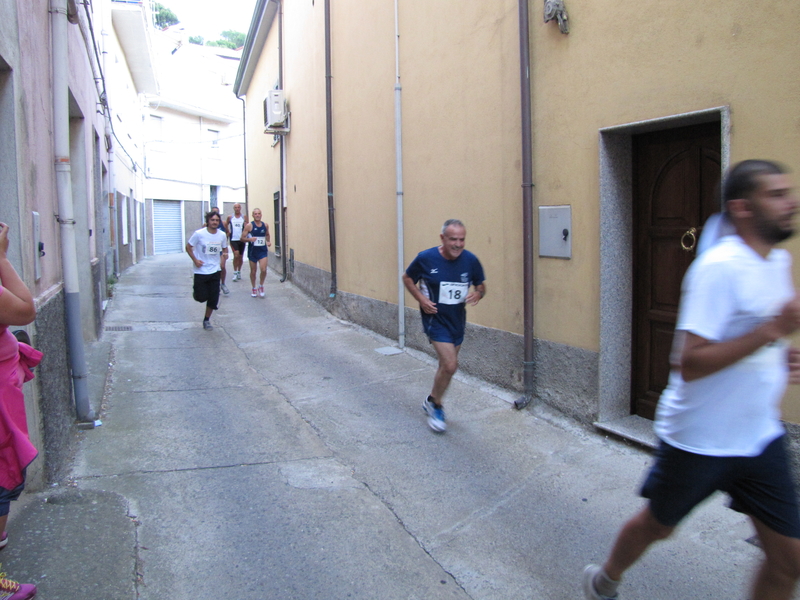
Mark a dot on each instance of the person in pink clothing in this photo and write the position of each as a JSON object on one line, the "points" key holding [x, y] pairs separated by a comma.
{"points": [[16, 361]]}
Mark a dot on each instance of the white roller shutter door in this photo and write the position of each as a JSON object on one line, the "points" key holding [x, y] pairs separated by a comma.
{"points": [[167, 227]]}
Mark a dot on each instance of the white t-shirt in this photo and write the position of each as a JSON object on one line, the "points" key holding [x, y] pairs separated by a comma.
{"points": [[208, 247], [727, 292]]}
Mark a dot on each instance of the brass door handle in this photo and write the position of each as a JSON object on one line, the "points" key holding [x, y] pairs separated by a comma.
{"points": [[692, 235]]}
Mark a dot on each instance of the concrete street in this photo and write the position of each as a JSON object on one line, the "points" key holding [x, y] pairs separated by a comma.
{"points": [[281, 456]]}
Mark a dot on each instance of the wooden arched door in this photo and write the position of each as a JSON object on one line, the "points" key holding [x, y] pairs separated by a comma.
{"points": [[675, 177]]}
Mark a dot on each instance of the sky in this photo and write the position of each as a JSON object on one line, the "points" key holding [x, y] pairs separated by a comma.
{"points": [[209, 18]]}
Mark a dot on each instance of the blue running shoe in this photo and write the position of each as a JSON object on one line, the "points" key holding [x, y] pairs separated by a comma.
{"points": [[435, 416]]}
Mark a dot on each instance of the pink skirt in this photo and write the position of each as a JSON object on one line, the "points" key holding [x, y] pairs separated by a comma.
{"points": [[16, 449]]}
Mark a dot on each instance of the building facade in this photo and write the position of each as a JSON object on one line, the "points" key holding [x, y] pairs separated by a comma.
{"points": [[194, 156], [65, 153], [402, 116]]}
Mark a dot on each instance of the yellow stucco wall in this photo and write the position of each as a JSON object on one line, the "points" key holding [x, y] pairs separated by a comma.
{"points": [[364, 148], [623, 62], [263, 158], [304, 83], [633, 61], [461, 139]]}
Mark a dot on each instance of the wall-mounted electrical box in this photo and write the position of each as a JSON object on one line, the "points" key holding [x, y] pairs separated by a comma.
{"points": [[275, 109], [555, 231]]}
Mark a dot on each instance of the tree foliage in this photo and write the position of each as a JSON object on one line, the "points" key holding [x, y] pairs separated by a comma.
{"points": [[229, 39], [163, 16], [196, 39]]}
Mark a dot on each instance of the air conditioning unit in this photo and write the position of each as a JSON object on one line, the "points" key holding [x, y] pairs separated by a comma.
{"points": [[275, 109]]}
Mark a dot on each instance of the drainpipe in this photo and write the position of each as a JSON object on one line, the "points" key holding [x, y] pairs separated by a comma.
{"points": [[329, 135], [244, 148], [244, 153], [66, 215], [527, 205], [284, 245], [398, 136], [112, 190], [110, 151]]}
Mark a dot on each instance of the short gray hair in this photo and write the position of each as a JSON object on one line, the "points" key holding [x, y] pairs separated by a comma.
{"points": [[450, 222]]}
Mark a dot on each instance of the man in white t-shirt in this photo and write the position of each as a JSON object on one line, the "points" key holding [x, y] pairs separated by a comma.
{"points": [[719, 417], [208, 248]]}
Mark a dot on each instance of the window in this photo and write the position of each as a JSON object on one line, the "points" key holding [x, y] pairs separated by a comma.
{"points": [[124, 208], [139, 211], [213, 195], [213, 135]]}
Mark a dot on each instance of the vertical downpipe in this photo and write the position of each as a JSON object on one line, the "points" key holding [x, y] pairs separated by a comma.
{"points": [[111, 199], [244, 152], [284, 245], [527, 205], [329, 143], [398, 136], [66, 214]]}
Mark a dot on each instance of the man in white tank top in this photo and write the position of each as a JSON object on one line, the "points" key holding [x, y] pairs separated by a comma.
{"points": [[235, 225]]}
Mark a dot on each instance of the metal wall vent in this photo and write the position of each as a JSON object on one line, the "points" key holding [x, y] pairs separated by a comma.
{"points": [[119, 328]]}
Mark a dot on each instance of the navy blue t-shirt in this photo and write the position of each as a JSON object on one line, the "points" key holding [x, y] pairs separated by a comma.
{"points": [[447, 283]]}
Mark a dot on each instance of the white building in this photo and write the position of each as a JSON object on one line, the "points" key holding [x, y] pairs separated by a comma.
{"points": [[194, 150], [129, 64]]}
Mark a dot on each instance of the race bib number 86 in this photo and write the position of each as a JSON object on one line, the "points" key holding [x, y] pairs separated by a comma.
{"points": [[451, 292], [213, 249]]}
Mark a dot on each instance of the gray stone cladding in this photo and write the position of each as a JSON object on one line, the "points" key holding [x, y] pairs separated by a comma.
{"points": [[54, 385], [566, 377]]}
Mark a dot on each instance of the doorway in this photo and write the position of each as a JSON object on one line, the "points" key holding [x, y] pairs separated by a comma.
{"points": [[615, 410]]}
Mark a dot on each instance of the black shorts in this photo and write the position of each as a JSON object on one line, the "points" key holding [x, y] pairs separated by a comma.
{"points": [[206, 289], [237, 246], [759, 486]]}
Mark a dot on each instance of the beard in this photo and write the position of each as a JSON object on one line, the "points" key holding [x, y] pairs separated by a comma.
{"points": [[769, 228], [773, 233]]}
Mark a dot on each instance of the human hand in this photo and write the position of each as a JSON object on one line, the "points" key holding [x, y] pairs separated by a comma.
{"points": [[198, 263], [428, 307], [788, 321], [794, 365], [474, 297], [3, 240]]}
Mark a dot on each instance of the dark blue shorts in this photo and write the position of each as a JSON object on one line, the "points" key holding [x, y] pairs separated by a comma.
{"points": [[6, 496], [437, 332], [759, 486]]}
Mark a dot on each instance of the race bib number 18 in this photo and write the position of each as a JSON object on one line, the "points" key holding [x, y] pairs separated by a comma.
{"points": [[451, 292]]}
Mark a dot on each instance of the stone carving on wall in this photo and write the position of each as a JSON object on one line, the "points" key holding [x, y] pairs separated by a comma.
{"points": [[555, 10]]}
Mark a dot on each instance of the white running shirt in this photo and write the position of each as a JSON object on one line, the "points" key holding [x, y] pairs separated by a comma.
{"points": [[728, 291], [208, 247]]}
